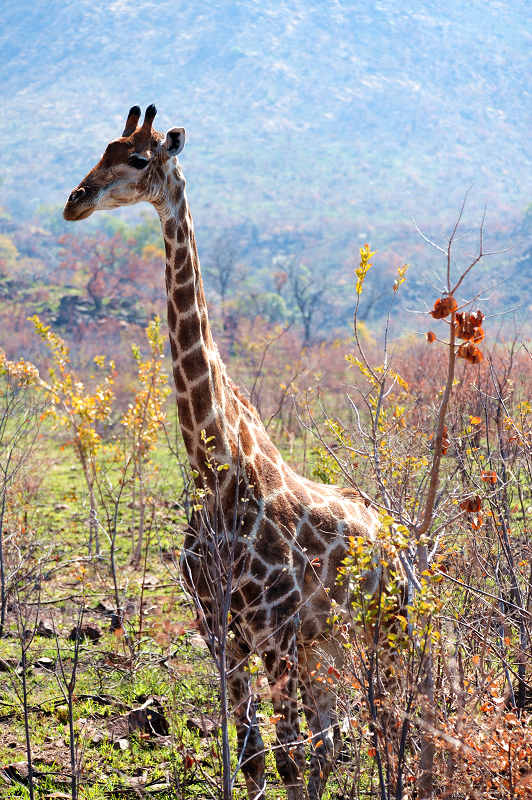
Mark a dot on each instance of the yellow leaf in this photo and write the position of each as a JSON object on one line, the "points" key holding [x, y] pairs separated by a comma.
{"points": [[401, 277]]}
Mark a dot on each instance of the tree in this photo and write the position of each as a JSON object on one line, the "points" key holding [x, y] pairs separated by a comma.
{"points": [[222, 270], [111, 272], [79, 411], [144, 419], [8, 255]]}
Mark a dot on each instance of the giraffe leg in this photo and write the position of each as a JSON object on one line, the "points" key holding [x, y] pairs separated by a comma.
{"points": [[250, 744], [320, 710], [281, 667]]}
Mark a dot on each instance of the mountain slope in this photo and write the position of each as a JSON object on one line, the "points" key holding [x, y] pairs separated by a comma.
{"points": [[297, 112]]}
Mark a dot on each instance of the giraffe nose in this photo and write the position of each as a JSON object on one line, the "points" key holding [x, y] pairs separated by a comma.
{"points": [[76, 195]]}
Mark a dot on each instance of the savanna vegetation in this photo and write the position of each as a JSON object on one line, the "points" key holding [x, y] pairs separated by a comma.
{"points": [[107, 689]]}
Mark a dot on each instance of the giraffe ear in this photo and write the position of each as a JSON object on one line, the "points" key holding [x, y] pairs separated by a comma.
{"points": [[175, 141]]}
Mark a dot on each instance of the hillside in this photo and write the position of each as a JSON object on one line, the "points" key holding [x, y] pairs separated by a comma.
{"points": [[296, 110], [312, 126]]}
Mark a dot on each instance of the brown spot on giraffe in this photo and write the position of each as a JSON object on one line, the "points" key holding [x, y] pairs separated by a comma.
{"points": [[195, 365], [278, 613], [272, 548], [279, 584], [280, 507], [188, 439], [188, 332], [185, 415], [252, 593], [172, 315], [173, 351], [181, 263], [309, 540], [185, 297], [258, 569], [267, 474], [246, 441], [201, 403], [179, 378], [170, 229], [259, 618]]}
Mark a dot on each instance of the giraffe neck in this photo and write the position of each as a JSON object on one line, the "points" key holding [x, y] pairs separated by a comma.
{"points": [[207, 404]]}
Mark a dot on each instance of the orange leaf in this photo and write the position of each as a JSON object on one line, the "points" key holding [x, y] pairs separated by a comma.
{"points": [[470, 353], [188, 761], [443, 307], [476, 522], [468, 326], [471, 505], [475, 420], [489, 476]]}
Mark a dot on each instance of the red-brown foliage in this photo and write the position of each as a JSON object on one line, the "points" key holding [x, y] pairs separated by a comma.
{"points": [[468, 325], [443, 307]]}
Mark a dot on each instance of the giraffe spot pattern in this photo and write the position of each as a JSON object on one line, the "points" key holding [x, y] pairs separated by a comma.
{"points": [[184, 297], [267, 475], [194, 365], [179, 379], [182, 262], [188, 332], [270, 546], [245, 438], [201, 400], [172, 316], [279, 584], [252, 593], [173, 350], [185, 415], [170, 228], [291, 532], [258, 568]]}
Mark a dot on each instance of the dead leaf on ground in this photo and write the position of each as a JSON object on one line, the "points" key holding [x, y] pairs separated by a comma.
{"points": [[147, 719], [87, 631], [204, 726]]}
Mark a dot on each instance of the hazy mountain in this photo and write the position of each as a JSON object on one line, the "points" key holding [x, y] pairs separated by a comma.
{"points": [[337, 118]]}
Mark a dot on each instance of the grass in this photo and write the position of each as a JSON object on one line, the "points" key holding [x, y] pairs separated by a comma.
{"points": [[166, 660]]}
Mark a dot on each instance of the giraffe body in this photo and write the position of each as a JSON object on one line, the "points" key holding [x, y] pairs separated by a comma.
{"points": [[289, 534]]}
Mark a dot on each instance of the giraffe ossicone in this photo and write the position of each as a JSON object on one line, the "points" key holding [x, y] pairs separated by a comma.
{"points": [[291, 533]]}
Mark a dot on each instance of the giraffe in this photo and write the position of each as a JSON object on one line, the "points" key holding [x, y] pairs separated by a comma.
{"points": [[292, 532]]}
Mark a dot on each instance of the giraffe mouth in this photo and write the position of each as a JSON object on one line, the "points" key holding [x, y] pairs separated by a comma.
{"points": [[75, 214]]}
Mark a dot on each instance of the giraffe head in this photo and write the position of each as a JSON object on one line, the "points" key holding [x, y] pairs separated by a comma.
{"points": [[131, 169]]}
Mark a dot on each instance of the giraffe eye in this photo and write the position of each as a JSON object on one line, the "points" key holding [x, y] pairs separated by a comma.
{"points": [[139, 162]]}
